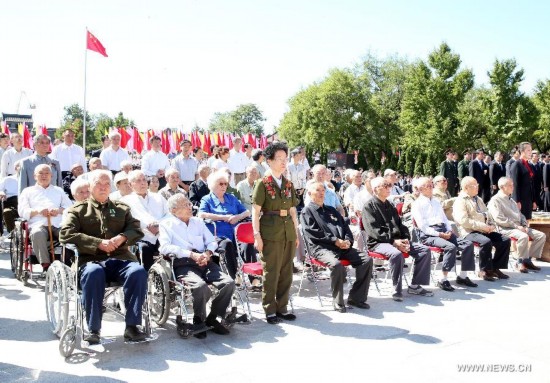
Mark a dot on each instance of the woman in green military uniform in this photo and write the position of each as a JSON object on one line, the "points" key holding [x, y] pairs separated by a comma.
{"points": [[275, 222]]}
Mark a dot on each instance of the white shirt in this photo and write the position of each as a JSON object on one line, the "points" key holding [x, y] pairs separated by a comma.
{"points": [[147, 210], [218, 164], [361, 199], [112, 159], [187, 167], [298, 175], [10, 157], [238, 162], [37, 198], [153, 161], [428, 212], [10, 186], [68, 155], [210, 161], [245, 191], [350, 193], [177, 237]]}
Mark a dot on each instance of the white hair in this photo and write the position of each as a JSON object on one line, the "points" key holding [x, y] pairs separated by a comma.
{"points": [[214, 177], [95, 175], [175, 200], [40, 167], [377, 182], [114, 133], [77, 184], [171, 171], [134, 174]]}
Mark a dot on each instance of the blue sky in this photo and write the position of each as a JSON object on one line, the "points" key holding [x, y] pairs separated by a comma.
{"points": [[176, 63]]}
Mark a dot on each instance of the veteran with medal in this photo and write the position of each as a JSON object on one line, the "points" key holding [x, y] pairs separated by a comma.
{"points": [[275, 222]]}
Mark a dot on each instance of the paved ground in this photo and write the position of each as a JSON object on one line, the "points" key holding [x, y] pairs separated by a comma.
{"points": [[500, 325]]}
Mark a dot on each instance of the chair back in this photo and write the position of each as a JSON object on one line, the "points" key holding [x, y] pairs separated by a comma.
{"points": [[244, 233], [399, 208]]}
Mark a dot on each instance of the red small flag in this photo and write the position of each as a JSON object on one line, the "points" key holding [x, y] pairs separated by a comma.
{"points": [[93, 44]]}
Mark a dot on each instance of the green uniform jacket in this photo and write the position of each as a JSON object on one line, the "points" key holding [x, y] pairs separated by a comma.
{"points": [[463, 169], [271, 198], [88, 222]]}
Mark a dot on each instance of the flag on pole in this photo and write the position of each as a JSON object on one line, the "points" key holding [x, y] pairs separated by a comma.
{"points": [[5, 128], [93, 44]]}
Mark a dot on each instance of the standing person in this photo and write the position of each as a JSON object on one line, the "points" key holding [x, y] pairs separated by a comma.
{"points": [[246, 186], [68, 153], [463, 166], [514, 156], [448, 170], [186, 165], [275, 224], [4, 142], [199, 188], [537, 166], [238, 161], [12, 155], [40, 156], [155, 162], [106, 142], [258, 158], [112, 157], [496, 171], [480, 171], [298, 175], [214, 149], [522, 176], [546, 186]]}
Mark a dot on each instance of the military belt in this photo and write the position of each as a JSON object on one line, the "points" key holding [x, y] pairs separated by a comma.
{"points": [[281, 213]]}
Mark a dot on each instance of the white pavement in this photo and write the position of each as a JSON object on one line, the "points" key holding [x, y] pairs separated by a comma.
{"points": [[498, 326]]}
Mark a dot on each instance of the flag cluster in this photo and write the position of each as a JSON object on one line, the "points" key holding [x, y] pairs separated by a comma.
{"points": [[132, 139]]}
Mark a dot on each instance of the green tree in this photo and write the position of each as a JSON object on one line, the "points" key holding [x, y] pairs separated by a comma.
{"points": [[511, 114], [73, 119], [541, 100], [246, 118]]}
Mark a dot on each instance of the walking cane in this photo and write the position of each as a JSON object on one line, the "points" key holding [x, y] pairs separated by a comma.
{"points": [[52, 258]]}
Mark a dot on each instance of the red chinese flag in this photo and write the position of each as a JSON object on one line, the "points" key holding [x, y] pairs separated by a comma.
{"points": [[206, 144], [124, 137], [93, 44]]}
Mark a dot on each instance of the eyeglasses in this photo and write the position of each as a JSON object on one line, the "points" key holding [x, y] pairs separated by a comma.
{"points": [[223, 183], [386, 185], [428, 186]]}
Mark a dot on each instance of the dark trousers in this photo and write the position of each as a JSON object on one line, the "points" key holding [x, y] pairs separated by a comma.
{"points": [[198, 278], [486, 242], [230, 252], [450, 247], [148, 253], [10, 213], [93, 278], [362, 264]]}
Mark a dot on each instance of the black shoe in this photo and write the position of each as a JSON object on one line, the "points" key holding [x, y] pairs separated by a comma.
{"points": [[273, 319], [93, 337], [287, 316], [133, 334], [217, 327], [340, 308], [197, 324], [465, 281], [361, 305], [529, 264], [500, 274], [445, 285], [486, 276]]}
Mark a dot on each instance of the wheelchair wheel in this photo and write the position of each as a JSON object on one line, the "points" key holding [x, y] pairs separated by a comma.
{"points": [[158, 292], [16, 253], [57, 299], [67, 342]]}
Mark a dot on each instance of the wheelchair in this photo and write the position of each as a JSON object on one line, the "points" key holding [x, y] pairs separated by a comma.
{"points": [[65, 309], [170, 295], [21, 253]]}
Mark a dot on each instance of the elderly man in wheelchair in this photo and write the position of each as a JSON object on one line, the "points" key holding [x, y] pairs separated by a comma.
{"points": [[102, 230], [42, 206], [189, 240]]}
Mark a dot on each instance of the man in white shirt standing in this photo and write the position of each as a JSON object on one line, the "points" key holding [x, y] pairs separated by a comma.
{"points": [[353, 189], [297, 173], [68, 153], [189, 239], [42, 205], [149, 209], [4, 142], [246, 186], [186, 165], [13, 154], [238, 161], [434, 230], [112, 156], [155, 162]]}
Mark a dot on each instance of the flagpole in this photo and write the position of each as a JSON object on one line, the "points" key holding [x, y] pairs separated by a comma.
{"points": [[85, 65]]}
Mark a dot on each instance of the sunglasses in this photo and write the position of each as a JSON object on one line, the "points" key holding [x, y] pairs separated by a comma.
{"points": [[223, 183], [386, 185]]}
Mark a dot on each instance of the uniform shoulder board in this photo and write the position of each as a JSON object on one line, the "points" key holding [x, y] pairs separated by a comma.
{"points": [[81, 203], [121, 204]]}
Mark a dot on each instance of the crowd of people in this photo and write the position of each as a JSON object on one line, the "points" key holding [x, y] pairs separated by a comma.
{"points": [[106, 203]]}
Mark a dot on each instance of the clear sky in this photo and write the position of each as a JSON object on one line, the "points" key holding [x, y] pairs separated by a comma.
{"points": [[176, 63]]}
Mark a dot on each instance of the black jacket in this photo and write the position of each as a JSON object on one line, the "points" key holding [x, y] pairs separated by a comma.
{"points": [[322, 226], [197, 190], [382, 223]]}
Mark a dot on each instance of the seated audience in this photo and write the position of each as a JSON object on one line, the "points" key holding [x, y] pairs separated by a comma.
{"points": [[330, 240], [189, 239], [435, 230], [122, 185], [512, 223], [246, 186], [76, 170], [388, 236], [199, 188], [172, 187], [104, 256], [9, 194], [475, 224]]}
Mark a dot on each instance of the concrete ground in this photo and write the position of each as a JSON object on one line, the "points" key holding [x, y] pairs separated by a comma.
{"points": [[499, 327]]}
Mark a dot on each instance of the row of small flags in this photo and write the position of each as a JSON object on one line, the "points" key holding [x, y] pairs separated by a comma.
{"points": [[134, 140]]}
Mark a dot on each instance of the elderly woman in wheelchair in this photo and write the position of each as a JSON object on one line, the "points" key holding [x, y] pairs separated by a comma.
{"points": [[191, 246], [102, 230]]}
